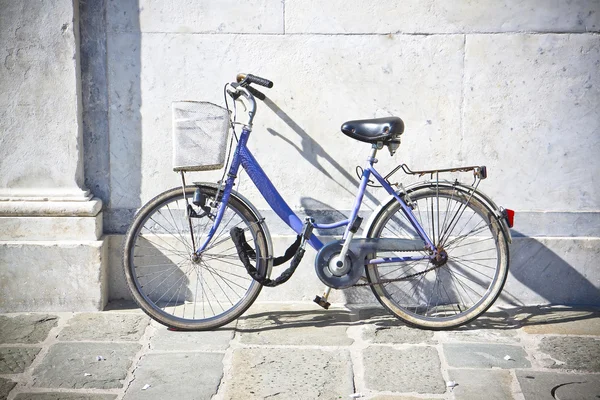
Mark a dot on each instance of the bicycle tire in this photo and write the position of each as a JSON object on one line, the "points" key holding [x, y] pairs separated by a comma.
{"points": [[419, 299], [197, 295]]}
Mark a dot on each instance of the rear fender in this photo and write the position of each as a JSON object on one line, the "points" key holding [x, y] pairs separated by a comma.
{"points": [[466, 189]]}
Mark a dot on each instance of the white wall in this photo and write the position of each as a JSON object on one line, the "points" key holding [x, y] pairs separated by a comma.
{"points": [[510, 84], [52, 254]]}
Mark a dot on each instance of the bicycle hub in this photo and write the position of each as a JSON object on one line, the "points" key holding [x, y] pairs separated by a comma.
{"points": [[440, 258]]}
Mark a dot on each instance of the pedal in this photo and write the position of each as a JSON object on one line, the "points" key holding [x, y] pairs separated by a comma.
{"points": [[322, 302]]}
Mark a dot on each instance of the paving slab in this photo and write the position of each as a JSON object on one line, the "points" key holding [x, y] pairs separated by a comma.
{"points": [[285, 324], [576, 353], [167, 340], [104, 327], [371, 314], [26, 328], [472, 383], [415, 369], [14, 360], [500, 336], [258, 373], [177, 376], [480, 355], [6, 385], [537, 385], [66, 365], [494, 318], [560, 320], [394, 397], [64, 396], [397, 334]]}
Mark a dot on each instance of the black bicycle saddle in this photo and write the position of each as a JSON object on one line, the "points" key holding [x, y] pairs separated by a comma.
{"points": [[374, 130]]}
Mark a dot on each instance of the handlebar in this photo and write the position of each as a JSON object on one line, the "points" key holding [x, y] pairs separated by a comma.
{"points": [[257, 93], [244, 80], [242, 88], [241, 78]]}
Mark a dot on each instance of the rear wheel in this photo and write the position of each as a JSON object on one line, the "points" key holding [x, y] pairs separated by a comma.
{"points": [[176, 287], [459, 286]]}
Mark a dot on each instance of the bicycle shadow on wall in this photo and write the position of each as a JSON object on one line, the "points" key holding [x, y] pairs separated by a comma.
{"points": [[548, 275], [312, 151]]}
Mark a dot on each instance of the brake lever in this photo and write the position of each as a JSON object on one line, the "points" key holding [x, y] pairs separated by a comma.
{"points": [[234, 95]]}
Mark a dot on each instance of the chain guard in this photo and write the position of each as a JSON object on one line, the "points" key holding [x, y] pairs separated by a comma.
{"points": [[359, 249], [343, 280]]}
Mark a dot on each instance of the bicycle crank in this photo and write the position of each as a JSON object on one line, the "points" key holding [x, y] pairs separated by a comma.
{"points": [[332, 271]]}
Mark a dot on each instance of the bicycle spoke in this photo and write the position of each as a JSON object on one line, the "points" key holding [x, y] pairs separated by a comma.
{"points": [[176, 268], [448, 209], [219, 285], [458, 238], [154, 245], [457, 290], [227, 262], [180, 239], [462, 229], [463, 207], [176, 295], [227, 238], [228, 281], [451, 301], [410, 265], [196, 295], [244, 277], [421, 293], [463, 284], [179, 231], [461, 261], [470, 243]]}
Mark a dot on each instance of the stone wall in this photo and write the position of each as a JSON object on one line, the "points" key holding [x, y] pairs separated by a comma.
{"points": [[513, 85], [510, 84], [52, 253]]}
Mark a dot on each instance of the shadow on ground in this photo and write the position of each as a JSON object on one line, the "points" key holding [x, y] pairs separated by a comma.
{"points": [[507, 319]]}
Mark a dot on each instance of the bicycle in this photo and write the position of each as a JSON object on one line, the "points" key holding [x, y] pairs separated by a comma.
{"points": [[435, 253]]}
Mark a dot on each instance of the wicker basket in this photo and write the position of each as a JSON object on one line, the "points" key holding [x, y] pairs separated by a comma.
{"points": [[199, 135]]}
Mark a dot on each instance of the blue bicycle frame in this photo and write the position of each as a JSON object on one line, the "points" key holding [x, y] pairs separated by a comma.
{"points": [[243, 157]]}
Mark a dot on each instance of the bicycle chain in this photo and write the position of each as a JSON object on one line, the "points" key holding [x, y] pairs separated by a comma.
{"points": [[405, 278]]}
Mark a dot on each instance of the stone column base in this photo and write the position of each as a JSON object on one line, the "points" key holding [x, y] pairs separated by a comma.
{"points": [[52, 254]]}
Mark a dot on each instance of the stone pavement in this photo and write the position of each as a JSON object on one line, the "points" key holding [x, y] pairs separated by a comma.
{"points": [[299, 351]]}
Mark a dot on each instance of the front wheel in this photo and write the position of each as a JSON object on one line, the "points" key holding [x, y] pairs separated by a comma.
{"points": [[175, 286], [455, 289]]}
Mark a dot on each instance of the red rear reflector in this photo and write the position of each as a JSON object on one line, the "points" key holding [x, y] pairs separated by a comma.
{"points": [[510, 217]]}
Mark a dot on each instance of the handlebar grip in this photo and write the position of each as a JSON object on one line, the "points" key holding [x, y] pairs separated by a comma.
{"points": [[256, 93], [259, 81]]}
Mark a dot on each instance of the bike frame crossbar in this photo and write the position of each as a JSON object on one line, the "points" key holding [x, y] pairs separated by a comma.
{"points": [[244, 158]]}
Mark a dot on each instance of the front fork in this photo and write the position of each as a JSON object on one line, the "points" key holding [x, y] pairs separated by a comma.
{"points": [[199, 201], [188, 209]]}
